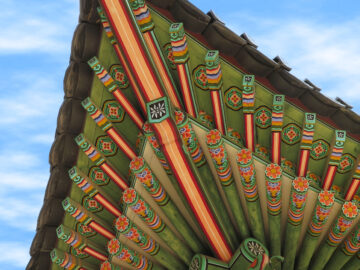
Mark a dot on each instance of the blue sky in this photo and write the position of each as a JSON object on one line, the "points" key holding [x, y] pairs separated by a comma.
{"points": [[318, 39]]}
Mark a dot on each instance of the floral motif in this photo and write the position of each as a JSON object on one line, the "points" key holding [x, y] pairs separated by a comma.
{"points": [[234, 135], [118, 74], [273, 171], [91, 204], [346, 163], [244, 156], [255, 248], [326, 197], [169, 55], [121, 223], [200, 77], [336, 188], [291, 134], [137, 163], [106, 146], [113, 111], [85, 230], [157, 110], [113, 246], [287, 166], [233, 98], [98, 176], [350, 210], [262, 151], [319, 149], [301, 184], [79, 253], [106, 266], [179, 117], [313, 177], [133, 235], [206, 119], [213, 137], [262, 117], [129, 195]]}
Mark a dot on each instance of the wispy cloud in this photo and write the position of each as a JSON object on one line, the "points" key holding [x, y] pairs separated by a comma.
{"points": [[36, 31], [36, 96], [325, 52], [14, 253]]}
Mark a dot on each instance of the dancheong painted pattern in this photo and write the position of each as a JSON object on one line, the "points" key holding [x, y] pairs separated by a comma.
{"points": [[182, 160]]}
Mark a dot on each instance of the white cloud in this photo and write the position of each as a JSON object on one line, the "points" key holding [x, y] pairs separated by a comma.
{"points": [[36, 97], [36, 31], [20, 213], [14, 253], [327, 53]]}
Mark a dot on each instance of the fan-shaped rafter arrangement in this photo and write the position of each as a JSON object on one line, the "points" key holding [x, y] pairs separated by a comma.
{"points": [[191, 158]]}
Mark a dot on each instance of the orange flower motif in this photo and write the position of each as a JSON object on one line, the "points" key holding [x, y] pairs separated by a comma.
{"points": [[179, 117], [105, 266], [213, 136], [147, 128], [326, 197], [121, 223], [113, 246], [244, 156], [336, 188], [136, 163], [129, 195], [350, 210], [273, 171], [301, 184]]}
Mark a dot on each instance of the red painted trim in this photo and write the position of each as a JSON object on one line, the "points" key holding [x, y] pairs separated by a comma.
{"points": [[128, 107], [114, 176], [121, 143], [173, 95], [107, 205], [276, 147], [131, 78], [249, 131], [142, 51], [303, 162], [295, 101], [181, 155], [353, 188], [185, 89], [101, 230], [329, 177], [217, 111], [95, 254]]}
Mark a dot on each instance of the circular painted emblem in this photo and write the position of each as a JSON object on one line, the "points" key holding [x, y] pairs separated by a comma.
{"points": [[113, 111], [233, 98], [263, 117], [319, 149], [169, 55], [346, 163], [98, 176], [119, 76], [78, 253], [106, 146], [85, 230], [91, 204], [200, 77], [291, 134]]}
